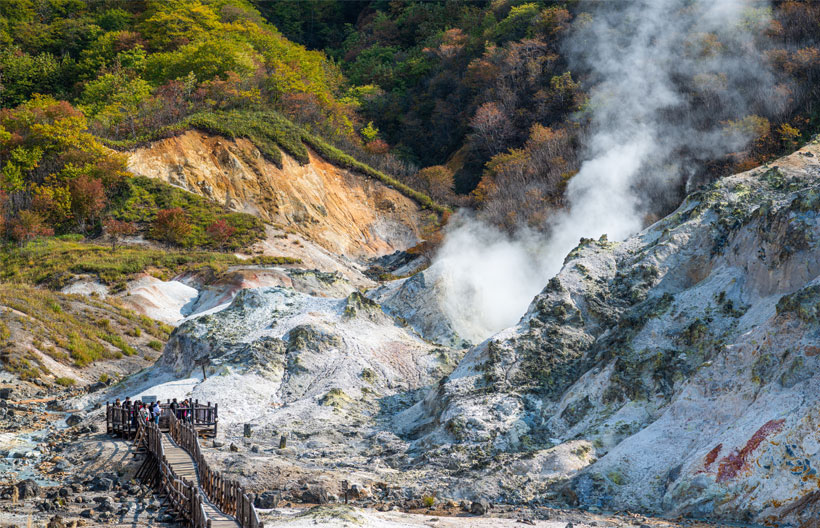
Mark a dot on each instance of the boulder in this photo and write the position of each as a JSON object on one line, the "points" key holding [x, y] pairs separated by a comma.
{"points": [[94, 387], [267, 500], [27, 489], [315, 495], [102, 484], [5, 394], [56, 522], [479, 507], [73, 420]]}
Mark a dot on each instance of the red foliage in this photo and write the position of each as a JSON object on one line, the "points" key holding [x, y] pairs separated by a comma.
{"points": [[171, 225], [377, 146], [87, 199], [117, 229], [220, 232], [26, 226]]}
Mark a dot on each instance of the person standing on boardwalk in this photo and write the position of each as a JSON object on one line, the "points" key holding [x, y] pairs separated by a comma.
{"points": [[157, 411], [175, 408], [145, 416], [116, 414]]}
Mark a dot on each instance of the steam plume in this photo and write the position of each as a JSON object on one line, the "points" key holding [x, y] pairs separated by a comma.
{"points": [[644, 135]]}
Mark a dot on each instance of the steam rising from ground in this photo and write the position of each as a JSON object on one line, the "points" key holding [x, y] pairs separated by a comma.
{"points": [[640, 124]]}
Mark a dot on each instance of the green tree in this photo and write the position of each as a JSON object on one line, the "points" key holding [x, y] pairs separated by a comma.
{"points": [[206, 59], [172, 23]]}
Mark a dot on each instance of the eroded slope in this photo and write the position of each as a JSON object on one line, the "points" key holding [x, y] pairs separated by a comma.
{"points": [[344, 212]]}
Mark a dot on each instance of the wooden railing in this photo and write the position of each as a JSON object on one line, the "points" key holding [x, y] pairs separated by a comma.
{"points": [[227, 495], [184, 497], [123, 421]]}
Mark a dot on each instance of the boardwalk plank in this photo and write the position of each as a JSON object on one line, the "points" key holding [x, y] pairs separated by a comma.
{"points": [[183, 465]]}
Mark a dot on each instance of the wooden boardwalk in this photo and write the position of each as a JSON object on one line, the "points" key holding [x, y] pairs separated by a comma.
{"points": [[177, 469], [184, 467]]}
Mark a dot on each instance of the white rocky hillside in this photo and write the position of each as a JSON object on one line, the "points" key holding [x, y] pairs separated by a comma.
{"points": [[676, 372]]}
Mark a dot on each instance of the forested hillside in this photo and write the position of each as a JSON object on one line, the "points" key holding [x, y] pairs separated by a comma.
{"points": [[78, 77], [490, 99], [495, 90]]}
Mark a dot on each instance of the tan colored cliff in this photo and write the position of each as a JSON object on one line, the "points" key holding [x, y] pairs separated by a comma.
{"points": [[344, 212]]}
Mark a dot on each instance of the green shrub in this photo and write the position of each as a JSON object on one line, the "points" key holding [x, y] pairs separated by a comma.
{"points": [[120, 343], [156, 345], [143, 199], [65, 382]]}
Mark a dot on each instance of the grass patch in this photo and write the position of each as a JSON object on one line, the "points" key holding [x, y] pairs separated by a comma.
{"points": [[120, 343], [65, 382], [71, 335], [270, 132], [156, 345], [55, 262]]}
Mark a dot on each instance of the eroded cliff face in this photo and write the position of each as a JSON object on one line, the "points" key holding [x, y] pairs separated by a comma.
{"points": [[346, 213]]}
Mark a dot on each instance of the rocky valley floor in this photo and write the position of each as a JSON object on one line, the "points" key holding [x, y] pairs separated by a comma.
{"points": [[72, 476]]}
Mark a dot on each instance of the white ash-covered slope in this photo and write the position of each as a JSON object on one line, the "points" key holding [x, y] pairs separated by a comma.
{"points": [[418, 301], [681, 364], [314, 360]]}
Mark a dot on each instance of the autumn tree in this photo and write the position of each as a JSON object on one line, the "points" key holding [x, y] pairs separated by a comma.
{"points": [[437, 181], [172, 226], [87, 200], [492, 127], [26, 226], [220, 232], [118, 229]]}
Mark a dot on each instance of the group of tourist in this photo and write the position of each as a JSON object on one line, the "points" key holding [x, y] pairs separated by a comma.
{"points": [[145, 412]]}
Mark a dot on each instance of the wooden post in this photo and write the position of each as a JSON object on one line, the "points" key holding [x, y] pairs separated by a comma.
{"points": [[344, 489]]}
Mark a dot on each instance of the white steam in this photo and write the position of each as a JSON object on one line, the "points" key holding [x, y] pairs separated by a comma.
{"points": [[639, 125]]}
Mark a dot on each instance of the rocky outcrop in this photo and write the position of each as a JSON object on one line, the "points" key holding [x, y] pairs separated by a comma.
{"points": [[686, 357], [346, 213], [417, 301]]}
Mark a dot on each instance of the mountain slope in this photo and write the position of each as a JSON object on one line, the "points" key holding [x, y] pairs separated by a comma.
{"points": [[679, 365]]}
